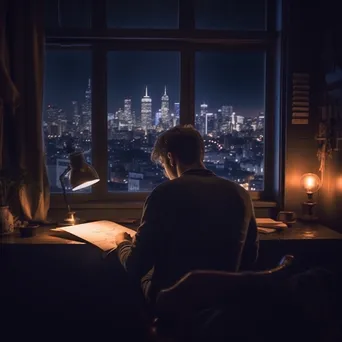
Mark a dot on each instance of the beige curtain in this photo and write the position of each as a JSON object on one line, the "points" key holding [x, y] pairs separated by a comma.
{"points": [[21, 95]]}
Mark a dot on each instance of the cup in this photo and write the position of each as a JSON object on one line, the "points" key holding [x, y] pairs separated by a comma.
{"points": [[288, 217]]}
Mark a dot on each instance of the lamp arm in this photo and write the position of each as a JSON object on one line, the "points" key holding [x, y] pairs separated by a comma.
{"points": [[61, 179]]}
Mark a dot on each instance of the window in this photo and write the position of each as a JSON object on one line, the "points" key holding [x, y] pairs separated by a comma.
{"points": [[143, 101], [67, 110], [230, 14], [230, 107], [118, 73], [68, 14], [148, 14]]}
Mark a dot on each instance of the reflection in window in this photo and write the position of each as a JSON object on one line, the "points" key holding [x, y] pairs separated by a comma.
{"points": [[143, 101], [230, 14], [151, 14], [230, 92], [67, 110]]}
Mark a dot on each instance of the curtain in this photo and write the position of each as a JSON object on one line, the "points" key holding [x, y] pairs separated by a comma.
{"points": [[21, 98]]}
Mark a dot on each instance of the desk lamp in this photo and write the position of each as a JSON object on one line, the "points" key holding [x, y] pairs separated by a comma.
{"points": [[311, 184], [81, 175]]}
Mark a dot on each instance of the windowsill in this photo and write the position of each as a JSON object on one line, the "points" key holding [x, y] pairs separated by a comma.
{"points": [[135, 205]]}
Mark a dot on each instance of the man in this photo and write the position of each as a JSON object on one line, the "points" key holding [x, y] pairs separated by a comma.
{"points": [[195, 220]]}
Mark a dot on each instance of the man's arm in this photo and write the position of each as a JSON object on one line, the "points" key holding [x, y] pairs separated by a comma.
{"points": [[138, 256]]}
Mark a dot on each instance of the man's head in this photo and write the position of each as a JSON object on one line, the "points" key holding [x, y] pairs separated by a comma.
{"points": [[178, 149]]}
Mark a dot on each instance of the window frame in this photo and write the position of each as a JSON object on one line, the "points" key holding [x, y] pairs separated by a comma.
{"points": [[187, 40]]}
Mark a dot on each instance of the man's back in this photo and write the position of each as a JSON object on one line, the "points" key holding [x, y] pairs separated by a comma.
{"points": [[197, 221]]}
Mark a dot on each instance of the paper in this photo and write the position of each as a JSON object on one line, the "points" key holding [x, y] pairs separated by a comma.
{"points": [[266, 230], [269, 223], [99, 233]]}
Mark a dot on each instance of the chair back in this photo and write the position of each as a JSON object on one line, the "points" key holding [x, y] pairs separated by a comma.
{"points": [[203, 296], [206, 287]]}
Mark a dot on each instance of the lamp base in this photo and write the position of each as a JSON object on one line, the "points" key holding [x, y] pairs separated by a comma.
{"points": [[71, 219], [308, 214]]}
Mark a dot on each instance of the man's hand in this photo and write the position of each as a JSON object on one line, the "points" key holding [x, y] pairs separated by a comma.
{"points": [[121, 237]]}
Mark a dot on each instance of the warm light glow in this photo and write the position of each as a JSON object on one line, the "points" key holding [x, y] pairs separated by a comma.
{"points": [[85, 185], [339, 183], [310, 183]]}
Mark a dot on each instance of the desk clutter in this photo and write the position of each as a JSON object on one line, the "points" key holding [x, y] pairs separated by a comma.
{"points": [[267, 225]]}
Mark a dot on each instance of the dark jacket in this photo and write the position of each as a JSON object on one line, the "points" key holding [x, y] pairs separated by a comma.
{"points": [[197, 221]]}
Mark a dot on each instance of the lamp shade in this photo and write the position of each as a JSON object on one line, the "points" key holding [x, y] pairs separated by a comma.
{"points": [[81, 174], [310, 183]]}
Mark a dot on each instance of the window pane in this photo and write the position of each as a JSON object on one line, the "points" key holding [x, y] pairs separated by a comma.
{"points": [[67, 111], [68, 14], [230, 14], [153, 14], [230, 114], [143, 100]]}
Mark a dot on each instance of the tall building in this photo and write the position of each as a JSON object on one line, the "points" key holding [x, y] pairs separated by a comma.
{"points": [[127, 110], [157, 117], [176, 109], [261, 121], [76, 118], [206, 123], [165, 110], [86, 109], [128, 118], [227, 111], [202, 118], [240, 119], [51, 115], [146, 112]]}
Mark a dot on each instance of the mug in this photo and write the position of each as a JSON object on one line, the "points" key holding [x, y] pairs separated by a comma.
{"points": [[288, 217]]}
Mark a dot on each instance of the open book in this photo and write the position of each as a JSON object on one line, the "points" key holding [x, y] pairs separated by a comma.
{"points": [[99, 233]]}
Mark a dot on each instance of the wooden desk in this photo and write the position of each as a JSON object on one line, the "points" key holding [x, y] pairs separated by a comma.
{"points": [[298, 232], [60, 275]]}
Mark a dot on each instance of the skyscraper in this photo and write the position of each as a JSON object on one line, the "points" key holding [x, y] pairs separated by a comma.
{"points": [[86, 109], [176, 109], [165, 110], [146, 112], [75, 115], [128, 118]]}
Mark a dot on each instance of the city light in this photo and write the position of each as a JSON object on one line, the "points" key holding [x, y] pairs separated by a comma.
{"points": [[234, 143]]}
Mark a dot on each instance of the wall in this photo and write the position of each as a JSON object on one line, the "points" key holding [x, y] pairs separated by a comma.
{"points": [[301, 32], [330, 196], [312, 31]]}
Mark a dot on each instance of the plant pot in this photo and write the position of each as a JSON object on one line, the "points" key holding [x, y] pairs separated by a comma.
{"points": [[6, 221]]}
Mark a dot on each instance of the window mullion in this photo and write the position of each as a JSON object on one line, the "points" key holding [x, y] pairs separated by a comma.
{"points": [[99, 118]]}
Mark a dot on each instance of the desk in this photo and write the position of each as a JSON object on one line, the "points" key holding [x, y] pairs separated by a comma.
{"points": [[298, 232], [65, 276]]}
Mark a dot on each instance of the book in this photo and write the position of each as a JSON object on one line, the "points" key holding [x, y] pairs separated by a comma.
{"points": [[99, 233], [270, 223]]}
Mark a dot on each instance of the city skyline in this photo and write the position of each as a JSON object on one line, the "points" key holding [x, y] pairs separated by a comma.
{"points": [[68, 73], [233, 143]]}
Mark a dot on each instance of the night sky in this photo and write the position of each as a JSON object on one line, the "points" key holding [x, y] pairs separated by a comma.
{"points": [[224, 78]]}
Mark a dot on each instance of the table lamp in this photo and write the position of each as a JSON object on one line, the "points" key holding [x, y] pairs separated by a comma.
{"points": [[311, 184], [81, 175]]}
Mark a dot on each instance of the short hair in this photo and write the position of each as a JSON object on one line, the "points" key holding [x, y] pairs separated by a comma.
{"points": [[183, 141]]}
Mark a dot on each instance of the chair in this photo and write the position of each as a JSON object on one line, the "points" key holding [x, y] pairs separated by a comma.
{"points": [[202, 302]]}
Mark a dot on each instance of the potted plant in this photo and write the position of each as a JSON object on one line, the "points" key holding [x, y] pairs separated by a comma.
{"points": [[9, 185]]}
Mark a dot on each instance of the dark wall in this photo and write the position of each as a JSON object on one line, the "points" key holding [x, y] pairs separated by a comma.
{"points": [[330, 196], [311, 33]]}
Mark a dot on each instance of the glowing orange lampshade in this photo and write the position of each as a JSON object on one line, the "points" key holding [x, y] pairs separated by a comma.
{"points": [[310, 183]]}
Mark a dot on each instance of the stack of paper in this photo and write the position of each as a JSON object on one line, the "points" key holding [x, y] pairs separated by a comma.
{"points": [[269, 223]]}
